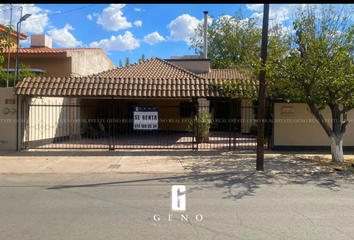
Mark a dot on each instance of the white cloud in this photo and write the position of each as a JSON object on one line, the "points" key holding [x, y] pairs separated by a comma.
{"points": [[138, 23], [89, 17], [153, 38], [183, 28], [112, 18], [63, 37], [255, 7], [277, 12], [118, 43], [34, 24], [139, 9]]}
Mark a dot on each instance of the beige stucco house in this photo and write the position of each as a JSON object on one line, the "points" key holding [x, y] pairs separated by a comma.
{"points": [[59, 62], [40, 56], [172, 88]]}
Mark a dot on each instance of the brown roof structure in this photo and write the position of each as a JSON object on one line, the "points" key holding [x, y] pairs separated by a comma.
{"points": [[152, 78]]}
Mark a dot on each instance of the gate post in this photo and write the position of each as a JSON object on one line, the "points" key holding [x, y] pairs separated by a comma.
{"points": [[195, 125], [110, 118]]}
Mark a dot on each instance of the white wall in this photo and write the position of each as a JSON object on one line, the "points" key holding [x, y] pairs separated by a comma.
{"points": [[7, 121], [48, 119], [89, 62], [301, 128]]}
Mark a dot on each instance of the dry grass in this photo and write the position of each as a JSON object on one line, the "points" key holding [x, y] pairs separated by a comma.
{"points": [[326, 163]]}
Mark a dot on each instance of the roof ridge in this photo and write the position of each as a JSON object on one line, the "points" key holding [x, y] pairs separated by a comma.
{"points": [[180, 68]]}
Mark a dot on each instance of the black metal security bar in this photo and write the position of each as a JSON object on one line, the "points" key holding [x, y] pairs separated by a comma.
{"points": [[223, 124]]}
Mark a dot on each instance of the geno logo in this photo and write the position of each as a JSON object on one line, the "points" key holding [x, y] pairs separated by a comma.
{"points": [[179, 198]]}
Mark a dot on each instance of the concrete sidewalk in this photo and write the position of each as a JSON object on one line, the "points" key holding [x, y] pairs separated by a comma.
{"points": [[134, 161]]}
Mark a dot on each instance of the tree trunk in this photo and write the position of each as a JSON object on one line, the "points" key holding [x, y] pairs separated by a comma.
{"points": [[337, 149]]}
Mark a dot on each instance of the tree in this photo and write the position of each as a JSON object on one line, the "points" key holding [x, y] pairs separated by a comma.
{"points": [[24, 71], [319, 69], [126, 61], [5, 43], [142, 58], [235, 42], [120, 63]]}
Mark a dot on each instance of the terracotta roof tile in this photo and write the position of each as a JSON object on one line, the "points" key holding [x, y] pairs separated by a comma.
{"points": [[150, 78]]}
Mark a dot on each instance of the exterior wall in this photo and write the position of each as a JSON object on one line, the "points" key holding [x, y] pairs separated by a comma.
{"points": [[168, 111], [78, 63], [302, 129], [50, 123], [7, 121], [194, 65], [14, 39], [89, 62], [58, 67]]}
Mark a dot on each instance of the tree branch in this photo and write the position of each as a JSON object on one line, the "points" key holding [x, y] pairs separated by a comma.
{"points": [[345, 119], [320, 118]]}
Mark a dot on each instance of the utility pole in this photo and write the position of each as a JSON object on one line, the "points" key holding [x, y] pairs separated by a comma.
{"points": [[18, 44], [261, 94], [8, 54]]}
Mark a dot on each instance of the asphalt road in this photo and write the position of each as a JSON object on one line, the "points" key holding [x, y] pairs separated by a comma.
{"points": [[245, 205]]}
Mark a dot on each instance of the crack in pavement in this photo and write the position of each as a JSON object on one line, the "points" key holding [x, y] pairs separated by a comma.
{"points": [[338, 230], [301, 214]]}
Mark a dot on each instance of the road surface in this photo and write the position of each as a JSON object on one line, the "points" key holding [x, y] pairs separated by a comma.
{"points": [[242, 205]]}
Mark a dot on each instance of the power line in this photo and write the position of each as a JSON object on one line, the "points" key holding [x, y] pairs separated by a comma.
{"points": [[5, 10], [62, 12]]}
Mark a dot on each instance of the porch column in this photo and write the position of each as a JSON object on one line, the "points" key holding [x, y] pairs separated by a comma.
{"points": [[204, 105]]}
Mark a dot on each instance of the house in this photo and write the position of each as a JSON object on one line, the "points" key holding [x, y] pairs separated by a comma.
{"points": [[41, 57], [167, 90], [59, 62]]}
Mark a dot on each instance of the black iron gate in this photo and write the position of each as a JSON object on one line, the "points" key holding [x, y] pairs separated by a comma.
{"points": [[109, 124]]}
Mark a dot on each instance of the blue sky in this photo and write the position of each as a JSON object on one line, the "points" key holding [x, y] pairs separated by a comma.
{"points": [[156, 30]]}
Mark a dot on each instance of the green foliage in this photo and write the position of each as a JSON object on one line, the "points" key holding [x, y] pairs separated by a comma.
{"points": [[127, 61], [5, 41], [253, 129], [319, 68], [203, 120], [24, 71], [235, 43], [142, 58], [120, 63]]}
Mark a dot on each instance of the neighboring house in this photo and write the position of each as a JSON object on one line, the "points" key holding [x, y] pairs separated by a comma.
{"points": [[13, 35], [61, 62], [171, 88], [41, 57]]}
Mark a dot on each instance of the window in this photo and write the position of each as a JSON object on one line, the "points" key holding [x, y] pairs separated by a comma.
{"points": [[186, 109]]}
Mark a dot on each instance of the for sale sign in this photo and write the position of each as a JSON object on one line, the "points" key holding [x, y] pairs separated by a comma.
{"points": [[145, 118]]}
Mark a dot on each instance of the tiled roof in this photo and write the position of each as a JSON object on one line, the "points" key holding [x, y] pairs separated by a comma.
{"points": [[116, 87], [222, 73], [154, 77], [23, 36], [155, 68], [47, 50]]}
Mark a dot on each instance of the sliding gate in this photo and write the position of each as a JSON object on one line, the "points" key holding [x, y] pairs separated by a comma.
{"points": [[111, 125]]}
